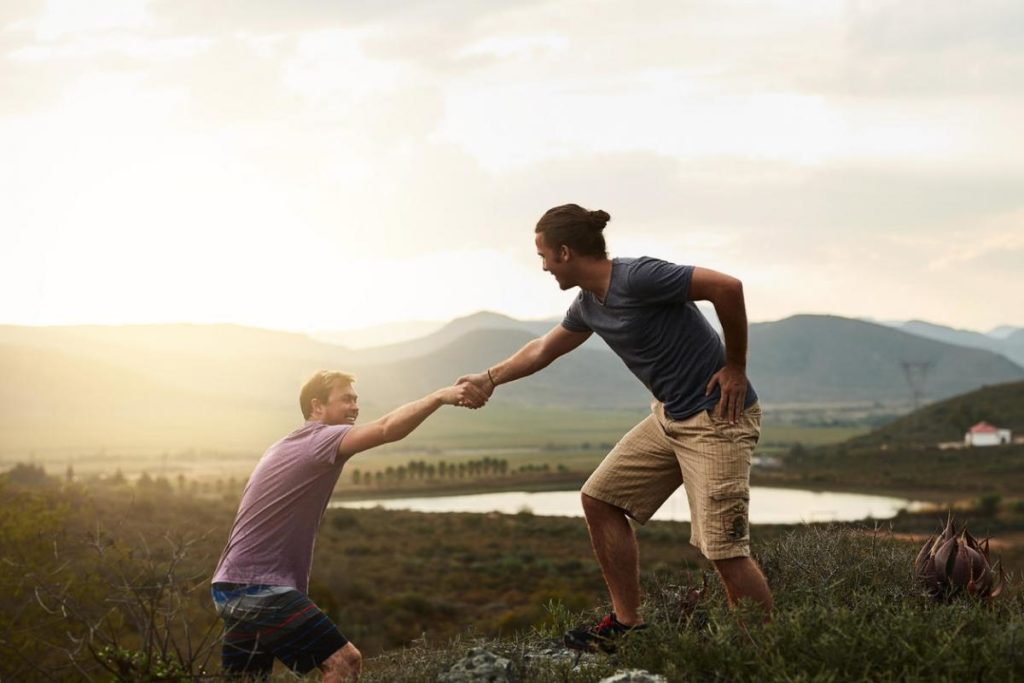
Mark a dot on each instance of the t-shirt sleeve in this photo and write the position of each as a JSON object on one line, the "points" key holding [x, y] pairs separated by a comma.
{"points": [[657, 281], [573, 320], [324, 443]]}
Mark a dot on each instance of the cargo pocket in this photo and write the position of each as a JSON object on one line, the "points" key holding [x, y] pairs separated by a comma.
{"points": [[730, 513]]}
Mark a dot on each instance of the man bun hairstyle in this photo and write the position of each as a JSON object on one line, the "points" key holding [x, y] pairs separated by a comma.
{"points": [[319, 386], [575, 227]]}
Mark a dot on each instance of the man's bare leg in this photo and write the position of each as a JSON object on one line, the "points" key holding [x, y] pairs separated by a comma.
{"points": [[619, 556], [344, 666], [743, 579]]}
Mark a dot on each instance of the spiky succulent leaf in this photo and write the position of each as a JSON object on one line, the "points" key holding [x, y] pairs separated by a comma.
{"points": [[944, 560], [950, 529]]}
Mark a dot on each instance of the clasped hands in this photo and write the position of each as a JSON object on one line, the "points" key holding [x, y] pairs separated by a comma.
{"points": [[472, 391]]}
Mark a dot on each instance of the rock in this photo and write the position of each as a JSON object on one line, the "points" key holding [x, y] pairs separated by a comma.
{"points": [[553, 653], [634, 676], [479, 666]]}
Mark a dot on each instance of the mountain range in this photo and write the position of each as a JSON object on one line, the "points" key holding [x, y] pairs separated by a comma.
{"points": [[1005, 340], [228, 386]]}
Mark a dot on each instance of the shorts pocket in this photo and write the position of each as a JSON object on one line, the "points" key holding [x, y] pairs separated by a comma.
{"points": [[730, 512], [745, 431]]}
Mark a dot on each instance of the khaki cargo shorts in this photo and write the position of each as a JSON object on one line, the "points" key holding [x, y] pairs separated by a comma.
{"points": [[707, 455]]}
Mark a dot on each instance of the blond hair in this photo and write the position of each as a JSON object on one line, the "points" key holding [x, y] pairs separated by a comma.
{"points": [[319, 386]]}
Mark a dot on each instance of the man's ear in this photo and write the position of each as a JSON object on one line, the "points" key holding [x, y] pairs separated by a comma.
{"points": [[564, 252]]}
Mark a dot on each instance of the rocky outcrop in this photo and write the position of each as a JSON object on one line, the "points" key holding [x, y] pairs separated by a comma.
{"points": [[480, 666]]}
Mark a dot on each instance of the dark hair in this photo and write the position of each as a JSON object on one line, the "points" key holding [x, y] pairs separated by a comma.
{"points": [[319, 387], [576, 228]]}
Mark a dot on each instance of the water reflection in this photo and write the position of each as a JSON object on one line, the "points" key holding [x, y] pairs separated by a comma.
{"points": [[767, 505]]}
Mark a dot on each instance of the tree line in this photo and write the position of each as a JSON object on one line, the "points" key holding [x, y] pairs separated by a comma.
{"points": [[422, 470]]}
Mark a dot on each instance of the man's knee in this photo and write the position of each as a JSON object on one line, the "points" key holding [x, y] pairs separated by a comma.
{"points": [[593, 506], [345, 663]]}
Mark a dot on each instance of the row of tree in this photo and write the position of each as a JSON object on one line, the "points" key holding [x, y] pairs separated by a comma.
{"points": [[415, 470], [421, 470]]}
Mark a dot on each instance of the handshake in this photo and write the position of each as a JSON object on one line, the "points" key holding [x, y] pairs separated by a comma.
{"points": [[469, 391]]}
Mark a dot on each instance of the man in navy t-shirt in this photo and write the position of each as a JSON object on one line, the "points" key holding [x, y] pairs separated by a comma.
{"points": [[704, 422]]}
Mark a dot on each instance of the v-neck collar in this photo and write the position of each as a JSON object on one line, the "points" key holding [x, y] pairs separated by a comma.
{"points": [[607, 292]]}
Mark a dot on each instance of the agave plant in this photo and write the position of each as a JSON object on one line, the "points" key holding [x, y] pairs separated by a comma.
{"points": [[953, 563]]}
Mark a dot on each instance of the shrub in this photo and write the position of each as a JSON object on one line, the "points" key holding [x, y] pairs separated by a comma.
{"points": [[988, 505]]}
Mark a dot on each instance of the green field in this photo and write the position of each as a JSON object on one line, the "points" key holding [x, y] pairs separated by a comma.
{"points": [[576, 440]]}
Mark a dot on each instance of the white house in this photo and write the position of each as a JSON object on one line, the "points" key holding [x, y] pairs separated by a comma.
{"points": [[984, 434]]}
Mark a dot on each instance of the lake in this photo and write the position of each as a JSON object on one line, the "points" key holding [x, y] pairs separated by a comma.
{"points": [[767, 505]]}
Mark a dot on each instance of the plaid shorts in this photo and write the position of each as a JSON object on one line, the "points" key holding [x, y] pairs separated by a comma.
{"points": [[707, 455], [264, 622]]}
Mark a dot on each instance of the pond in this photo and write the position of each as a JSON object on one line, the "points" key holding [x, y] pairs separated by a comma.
{"points": [[767, 505]]}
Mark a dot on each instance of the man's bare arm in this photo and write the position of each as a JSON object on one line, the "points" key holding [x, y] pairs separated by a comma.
{"points": [[534, 356], [726, 293], [400, 422]]}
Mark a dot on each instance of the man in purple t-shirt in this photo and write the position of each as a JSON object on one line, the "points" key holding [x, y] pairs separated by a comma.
{"points": [[260, 584], [704, 422]]}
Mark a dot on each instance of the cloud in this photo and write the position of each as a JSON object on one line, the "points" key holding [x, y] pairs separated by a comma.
{"points": [[835, 155], [923, 49], [271, 16], [128, 46]]}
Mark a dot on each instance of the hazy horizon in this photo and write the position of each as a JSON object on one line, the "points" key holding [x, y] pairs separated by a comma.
{"points": [[410, 327]]}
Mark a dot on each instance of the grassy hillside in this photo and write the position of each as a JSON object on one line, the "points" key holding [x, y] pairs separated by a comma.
{"points": [[903, 456], [104, 557], [846, 610], [1001, 405]]}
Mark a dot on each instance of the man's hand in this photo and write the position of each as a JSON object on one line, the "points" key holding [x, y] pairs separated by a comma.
{"points": [[732, 381], [466, 394], [480, 380]]}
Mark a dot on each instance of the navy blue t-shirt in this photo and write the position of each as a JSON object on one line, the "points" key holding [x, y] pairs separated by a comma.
{"points": [[648, 320]]}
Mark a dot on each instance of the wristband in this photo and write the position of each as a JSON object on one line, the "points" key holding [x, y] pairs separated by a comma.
{"points": [[493, 384]]}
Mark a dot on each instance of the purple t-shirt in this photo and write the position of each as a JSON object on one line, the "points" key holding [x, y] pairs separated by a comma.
{"points": [[275, 529]]}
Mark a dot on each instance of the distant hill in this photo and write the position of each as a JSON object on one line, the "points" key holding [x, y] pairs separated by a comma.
{"points": [[165, 386], [1005, 340], [452, 331], [826, 358], [1001, 405], [583, 379], [50, 399], [802, 359], [1004, 331], [447, 334], [224, 360]]}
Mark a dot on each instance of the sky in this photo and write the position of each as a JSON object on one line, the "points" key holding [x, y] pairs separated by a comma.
{"points": [[312, 165]]}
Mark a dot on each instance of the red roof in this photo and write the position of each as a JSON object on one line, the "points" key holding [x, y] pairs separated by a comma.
{"points": [[983, 428]]}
